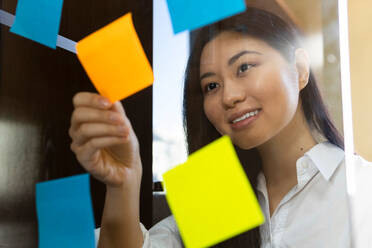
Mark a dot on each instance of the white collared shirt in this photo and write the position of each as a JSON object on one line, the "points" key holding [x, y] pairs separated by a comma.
{"points": [[315, 212], [312, 214]]}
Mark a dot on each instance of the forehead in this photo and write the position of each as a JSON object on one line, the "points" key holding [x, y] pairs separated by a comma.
{"points": [[229, 43]]}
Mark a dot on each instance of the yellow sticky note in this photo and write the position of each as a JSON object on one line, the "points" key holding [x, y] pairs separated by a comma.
{"points": [[115, 61], [210, 196]]}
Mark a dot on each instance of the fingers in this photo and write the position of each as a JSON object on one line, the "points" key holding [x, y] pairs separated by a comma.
{"points": [[87, 123], [97, 124], [91, 107], [89, 131], [89, 152], [92, 100], [91, 115]]}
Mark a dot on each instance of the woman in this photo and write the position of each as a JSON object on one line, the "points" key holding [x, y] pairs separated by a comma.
{"points": [[248, 78]]}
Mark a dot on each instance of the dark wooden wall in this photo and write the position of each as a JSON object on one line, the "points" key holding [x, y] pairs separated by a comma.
{"points": [[36, 89]]}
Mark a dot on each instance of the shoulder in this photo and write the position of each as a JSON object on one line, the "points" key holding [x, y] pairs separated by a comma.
{"points": [[362, 171], [361, 184], [165, 234], [168, 224], [360, 161], [356, 174], [360, 167]]}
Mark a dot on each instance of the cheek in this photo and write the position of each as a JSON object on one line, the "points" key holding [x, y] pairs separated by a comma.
{"points": [[209, 111], [290, 89], [286, 96], [278, 93], [213, 114]]}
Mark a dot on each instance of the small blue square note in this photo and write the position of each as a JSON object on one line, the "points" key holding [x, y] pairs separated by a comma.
{"points": [[193, 14], [38, 20], [65, 213]]}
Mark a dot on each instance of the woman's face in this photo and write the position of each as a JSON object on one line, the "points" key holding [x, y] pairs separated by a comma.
{"points": [[250, 90]]}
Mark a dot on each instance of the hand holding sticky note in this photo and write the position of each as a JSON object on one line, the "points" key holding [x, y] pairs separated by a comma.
{"points": [[210, 196], [38, 20], [193, 14], [115, 61], [65, 213]]}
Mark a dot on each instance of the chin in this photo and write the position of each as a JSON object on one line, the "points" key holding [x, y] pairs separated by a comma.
{"points": [[248, 142], [245, 144]]}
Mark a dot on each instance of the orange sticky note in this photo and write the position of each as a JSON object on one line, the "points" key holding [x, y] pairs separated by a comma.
{"points": [[115, 61], [210, 196]]}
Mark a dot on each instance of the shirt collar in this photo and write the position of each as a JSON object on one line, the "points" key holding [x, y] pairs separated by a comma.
{"points": [[261, 183], [326, 157]]}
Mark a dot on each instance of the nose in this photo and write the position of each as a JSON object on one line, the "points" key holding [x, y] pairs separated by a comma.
{"points": [[232, 95]]}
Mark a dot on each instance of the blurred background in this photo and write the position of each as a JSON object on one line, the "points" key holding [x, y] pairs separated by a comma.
{"points": [[360, 38]]}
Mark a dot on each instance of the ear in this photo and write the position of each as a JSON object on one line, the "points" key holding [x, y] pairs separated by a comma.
{"points": [[303, 67]]}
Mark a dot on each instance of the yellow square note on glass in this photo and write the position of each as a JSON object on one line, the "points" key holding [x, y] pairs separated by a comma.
{"points": [[115, 61], [210, 196]]}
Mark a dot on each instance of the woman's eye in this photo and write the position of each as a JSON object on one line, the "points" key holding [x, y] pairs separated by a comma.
{"points": [[242, 68], [211, 86]]}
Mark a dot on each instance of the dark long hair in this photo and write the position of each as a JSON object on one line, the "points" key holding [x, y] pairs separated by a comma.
{"points": [[282, 36]]}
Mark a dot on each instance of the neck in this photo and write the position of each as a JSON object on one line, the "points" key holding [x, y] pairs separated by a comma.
{"points": [[279, 154]]}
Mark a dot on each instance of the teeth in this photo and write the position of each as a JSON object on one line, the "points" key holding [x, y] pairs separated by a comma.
{"points": [[247, 115]]}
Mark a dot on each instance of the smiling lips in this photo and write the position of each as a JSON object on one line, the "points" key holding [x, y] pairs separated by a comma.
{"points": [[247, 115], [244, 120]]}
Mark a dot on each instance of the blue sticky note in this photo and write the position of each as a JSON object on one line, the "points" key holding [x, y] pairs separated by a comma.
{"points": [[193, 14], [65, 213], [38, 20]]}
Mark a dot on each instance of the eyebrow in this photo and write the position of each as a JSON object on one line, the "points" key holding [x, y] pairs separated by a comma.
{"points": [[238, 55], [208, 74], [230, 62]]}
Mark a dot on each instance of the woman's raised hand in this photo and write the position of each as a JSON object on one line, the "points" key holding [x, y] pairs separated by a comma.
{"points": [[104, 141]]}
